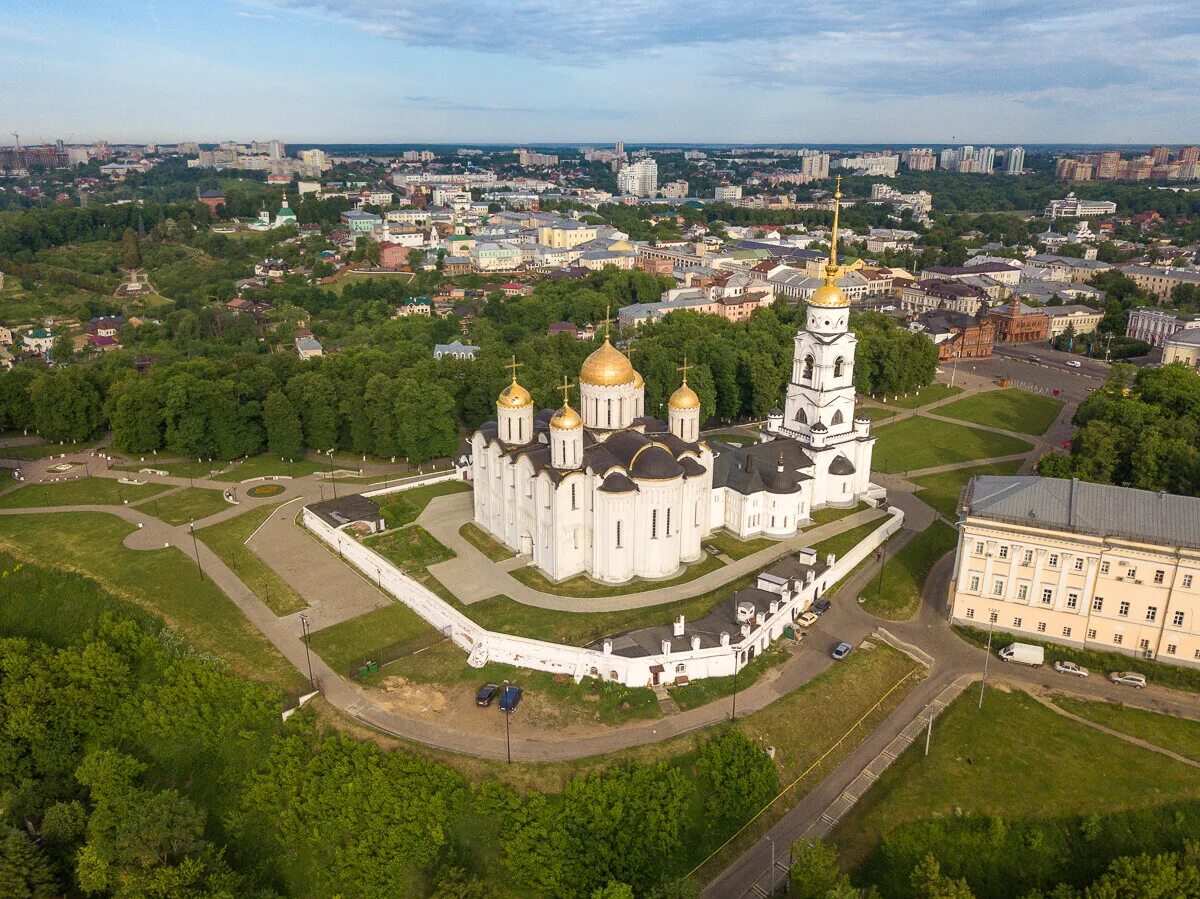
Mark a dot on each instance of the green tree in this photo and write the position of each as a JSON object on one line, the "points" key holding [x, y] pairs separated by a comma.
{"points": [[285, 437], [815, 872], [62, 350], [136, 414], [739, 780], [67, 405], [131, 253], [928, 882], [426, 423], [25, 872]]}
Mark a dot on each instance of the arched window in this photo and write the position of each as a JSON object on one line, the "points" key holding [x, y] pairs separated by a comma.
{"points": [[837, 418], [837, 367], [801, 417], [808, 368]]}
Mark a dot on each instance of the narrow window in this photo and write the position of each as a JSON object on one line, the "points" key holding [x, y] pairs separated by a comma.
{"points": [[668, 521], [618, 535], [653, 524]]}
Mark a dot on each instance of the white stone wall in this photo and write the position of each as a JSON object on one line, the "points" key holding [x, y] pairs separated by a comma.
{"points": [[575, 661]]}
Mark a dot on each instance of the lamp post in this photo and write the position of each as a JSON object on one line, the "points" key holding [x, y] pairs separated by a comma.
{"points": [[733, 714], [308, 657], [983, 683], [507, 738], [771, 873], [196, 549], [332, 478]]}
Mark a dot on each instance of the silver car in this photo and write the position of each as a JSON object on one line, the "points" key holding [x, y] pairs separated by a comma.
{"points": [[1070, 668], [1129, 679]]}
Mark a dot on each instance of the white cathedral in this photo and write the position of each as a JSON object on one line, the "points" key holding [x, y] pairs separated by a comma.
{"points": [[616, 495]]}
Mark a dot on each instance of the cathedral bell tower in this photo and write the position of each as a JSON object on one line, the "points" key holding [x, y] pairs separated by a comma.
{"points": [[821, 389], [566, 434], [683, 410]]}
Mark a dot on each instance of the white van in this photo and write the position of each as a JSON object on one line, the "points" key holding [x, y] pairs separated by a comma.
{"points": [[1025, 653]]}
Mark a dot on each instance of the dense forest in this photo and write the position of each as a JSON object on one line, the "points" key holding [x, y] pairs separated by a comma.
{"points": [[218, 391]]}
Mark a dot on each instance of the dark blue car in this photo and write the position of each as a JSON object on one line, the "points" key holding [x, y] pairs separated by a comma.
{"points": [[510, 698]]}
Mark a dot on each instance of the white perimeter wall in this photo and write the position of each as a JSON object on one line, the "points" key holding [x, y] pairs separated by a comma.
{"points": [[577, 662]]}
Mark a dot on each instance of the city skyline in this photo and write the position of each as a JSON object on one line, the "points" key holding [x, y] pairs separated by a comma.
{"points": [[344, 71]]}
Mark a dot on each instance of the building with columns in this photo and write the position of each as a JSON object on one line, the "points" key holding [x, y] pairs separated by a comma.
{"points": [[612, 493], [1089, 565]]}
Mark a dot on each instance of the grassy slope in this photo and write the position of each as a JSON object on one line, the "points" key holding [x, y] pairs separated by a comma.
{"points": [[83, 492], [1179, 735], [930, 394], [943, 490], [1015, 761], [228, 540], [1011, 409], [582, 585], [366, 635], [924, 442], [266, 466], [485, 542], [406, 506], [897, 594], [161, 581]]}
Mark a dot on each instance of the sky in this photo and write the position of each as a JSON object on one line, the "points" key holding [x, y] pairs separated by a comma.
{"points": [[528, 71]]}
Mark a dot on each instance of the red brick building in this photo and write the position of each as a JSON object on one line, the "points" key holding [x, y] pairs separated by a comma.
{"points": [[392, 255], [1017, 323], [214, 200], [956, 336]]}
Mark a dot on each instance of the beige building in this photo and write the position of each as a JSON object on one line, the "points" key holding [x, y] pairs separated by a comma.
{"points": [[1065, 561], [566, 235], [1084, 319], [1160, 280], [1183, 346]]}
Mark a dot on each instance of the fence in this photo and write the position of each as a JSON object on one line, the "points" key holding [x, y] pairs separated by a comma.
{"points": [[524, 652], [369, 664]]}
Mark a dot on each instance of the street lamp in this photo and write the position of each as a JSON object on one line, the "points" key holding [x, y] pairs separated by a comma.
{"points": [[733, 714], [196, 549], [992, 615], [332, 478], [771, 875], [308, 657], [507, 738]]}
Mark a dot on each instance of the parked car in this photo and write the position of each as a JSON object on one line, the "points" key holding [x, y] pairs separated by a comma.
{"points": [[808, 619], [486, 694], [821, 606], [841, 651], [1128, 678], [1070, 668], [1074, 363], [510, 698]]}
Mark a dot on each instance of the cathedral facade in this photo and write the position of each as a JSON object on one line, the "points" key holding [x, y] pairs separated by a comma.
{"points": [[611, 493]]}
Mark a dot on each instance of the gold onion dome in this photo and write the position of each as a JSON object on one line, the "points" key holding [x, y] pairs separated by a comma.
{"points": [[607, 367], [514, 396], [566, 419], [637, 380], [684, 398]]}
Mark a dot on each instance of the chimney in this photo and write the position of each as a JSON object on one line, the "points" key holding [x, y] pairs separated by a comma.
{"points": [[695, 643], [666, 647], [677, 629], [607, 647], [724, 638]]}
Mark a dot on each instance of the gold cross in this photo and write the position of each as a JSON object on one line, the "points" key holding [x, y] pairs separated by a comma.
{"points": [[683, 368], [607, 320], [513, 366], [566, 389]]}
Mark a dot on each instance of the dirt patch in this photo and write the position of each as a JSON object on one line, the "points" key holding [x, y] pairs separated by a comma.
{"points": [[397, 694]]}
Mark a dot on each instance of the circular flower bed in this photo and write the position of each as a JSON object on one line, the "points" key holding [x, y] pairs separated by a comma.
{"points": [[265, 490]]}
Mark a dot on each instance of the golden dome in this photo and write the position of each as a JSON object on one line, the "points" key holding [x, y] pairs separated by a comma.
{"points": [[637, 380], [566, 419], [607, 367], [514, 396], [684, 398], [828, 294]]}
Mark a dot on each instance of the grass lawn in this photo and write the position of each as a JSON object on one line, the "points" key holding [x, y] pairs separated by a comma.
{"points": [[404, 507], [737, 548], [830, 513], [266, 466], [485, 542], [189, 504], [175, 469], [228, 540], [1099, 663], [29, 451], [943, 490], [840, 544], [1179, 735], [1010, 409], [410, 548], [905, 572], [351, 277], [925, 442], [550, 701], [927, 395], [873, 412], [81, 492], [582, 585], [163, 581], [702, 692], [992, 802], [369, 635]]}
